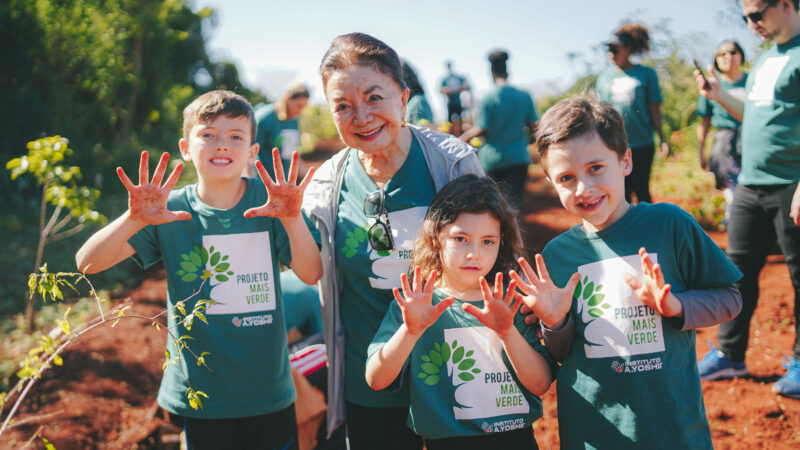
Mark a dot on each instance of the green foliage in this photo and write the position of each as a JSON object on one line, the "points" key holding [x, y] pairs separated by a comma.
{"points": [[315, 123], [440, 355], [588, 292]]}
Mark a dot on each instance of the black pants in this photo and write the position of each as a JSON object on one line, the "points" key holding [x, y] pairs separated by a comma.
{"points": [[759, 215], [370, 428], [638, 181], [507, 440], [511, 181], [276, 431]]}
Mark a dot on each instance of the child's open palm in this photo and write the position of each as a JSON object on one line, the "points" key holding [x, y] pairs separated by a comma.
{"points": [[416, 302], [284, 195], [652, 290], [147, 202], [498, 309], [549, 302]]}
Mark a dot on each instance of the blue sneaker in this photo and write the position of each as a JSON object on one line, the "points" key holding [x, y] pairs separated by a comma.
{"points": [[716, 366], [789, 384]]}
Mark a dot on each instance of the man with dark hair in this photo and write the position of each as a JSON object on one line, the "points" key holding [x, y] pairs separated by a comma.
{"points": [[766, 204], [452, 87]]}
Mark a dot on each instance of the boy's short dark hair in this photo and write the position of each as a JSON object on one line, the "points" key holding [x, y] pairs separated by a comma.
{"points": [[210, 105], [577, 117]]}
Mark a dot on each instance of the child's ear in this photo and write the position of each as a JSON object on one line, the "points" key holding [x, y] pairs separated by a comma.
{"points": [[627, 162], [254, 151], [183, 145]]}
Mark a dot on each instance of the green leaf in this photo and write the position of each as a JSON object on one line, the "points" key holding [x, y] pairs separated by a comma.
{"points": [[596, 299], [384, 253], [189, 277], [425, 358], [466, 364], [422, 375], [445, 351], [476, 370], [352, 243], [195, 258], [47, 444], [187, 266], [437, 346], [58, 361], [578, 290], [349, 252], [225, 258], [466, 376], [458, 354], [429, 368], [588, 290], [360, 234], [223, 267], [605, 306], [595, 312], [204, 255], [431, 380], [436, 357], [179, 306], [32, 282], [215, 258], [221, 278], [469, 353]]}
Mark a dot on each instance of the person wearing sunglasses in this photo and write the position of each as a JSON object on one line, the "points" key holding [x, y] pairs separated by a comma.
{"points": [[726, 154], [766, 203], [278, 127], [633, 90], [368, 202]]}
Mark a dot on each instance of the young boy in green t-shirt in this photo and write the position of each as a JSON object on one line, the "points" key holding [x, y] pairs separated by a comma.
{"points": [[217, 243], [648, 276]]}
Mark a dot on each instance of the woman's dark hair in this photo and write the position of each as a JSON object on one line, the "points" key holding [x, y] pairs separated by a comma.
{"points": [[634, 35], [474, 195], [498, 60], [736, 47], [412, 81], [359, 49]]}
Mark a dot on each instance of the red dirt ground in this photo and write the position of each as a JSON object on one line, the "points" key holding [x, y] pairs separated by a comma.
{"points": [[103, 396]]}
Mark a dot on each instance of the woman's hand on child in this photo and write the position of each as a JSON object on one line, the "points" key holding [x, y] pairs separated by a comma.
{"points": [[147, 202], [416, 302], [284, 195], [652, 290], [549, 302], [498, 309]]}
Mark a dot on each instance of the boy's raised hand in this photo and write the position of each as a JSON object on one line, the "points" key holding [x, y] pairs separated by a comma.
{"points": [[549, 302], [416, 302], [147, 202], [284, 195], [652, 290], [498, 309]]}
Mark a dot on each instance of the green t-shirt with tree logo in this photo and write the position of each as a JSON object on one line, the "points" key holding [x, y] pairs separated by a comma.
{"points": [[630, 379], [222, 256], [771, 122], [461, 380], [367, 276]]}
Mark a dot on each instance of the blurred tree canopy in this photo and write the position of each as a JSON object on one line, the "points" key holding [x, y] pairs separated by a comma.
{"points": [[113, 75]]}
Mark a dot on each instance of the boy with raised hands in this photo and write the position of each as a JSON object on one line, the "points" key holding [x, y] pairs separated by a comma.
{"points": [[222, 239], [642, 279]]}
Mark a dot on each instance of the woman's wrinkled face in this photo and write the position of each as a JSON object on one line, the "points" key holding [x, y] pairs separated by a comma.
{"points": [[728, 57], [368, 107]]}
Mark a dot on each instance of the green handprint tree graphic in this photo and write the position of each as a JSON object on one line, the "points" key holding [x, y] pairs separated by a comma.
{"points": [[358, 237], [193, 265], [437, 358], [588, 292]]}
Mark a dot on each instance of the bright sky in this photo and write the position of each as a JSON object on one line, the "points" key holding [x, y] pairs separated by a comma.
{"points": [[276, 42]]}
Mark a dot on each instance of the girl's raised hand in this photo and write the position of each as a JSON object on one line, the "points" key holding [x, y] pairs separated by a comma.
{"points": [[652, 290], [284, 196], [416, 302], [147, 202], [549, 302], [498, 309]]}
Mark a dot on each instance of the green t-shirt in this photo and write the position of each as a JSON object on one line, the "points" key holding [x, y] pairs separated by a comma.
{"points": [[273, 132], [455, 82], [504, 112], [367, 276], [771, 123], [301, 308], [245, 335], [461, 380], [631, 92], [418, 109], [719, 117], [630, 379]]}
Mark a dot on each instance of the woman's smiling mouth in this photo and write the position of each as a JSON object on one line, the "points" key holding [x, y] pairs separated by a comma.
{"points": [[371, 134]]}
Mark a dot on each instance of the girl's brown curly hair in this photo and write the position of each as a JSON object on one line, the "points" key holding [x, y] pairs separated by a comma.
{"points": [[636, 35], [474, 195]]}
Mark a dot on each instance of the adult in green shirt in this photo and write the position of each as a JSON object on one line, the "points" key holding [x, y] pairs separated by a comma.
{"points": [[726, 154], [506, 120], [632, 89], [368, 201], [766, 204], [418, 110], [277, 127]]}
